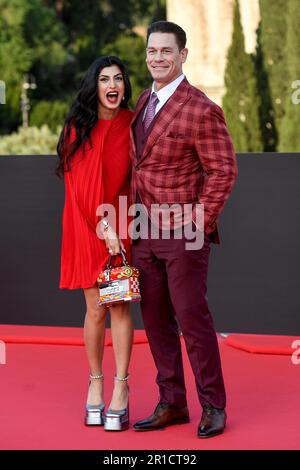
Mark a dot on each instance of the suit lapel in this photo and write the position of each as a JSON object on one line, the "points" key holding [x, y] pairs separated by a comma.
{"points": [[144, 97], [167, 114]]}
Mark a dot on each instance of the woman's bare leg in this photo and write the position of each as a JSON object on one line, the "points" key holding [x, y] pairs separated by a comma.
{"points": [[122, 337], [94, 335]]}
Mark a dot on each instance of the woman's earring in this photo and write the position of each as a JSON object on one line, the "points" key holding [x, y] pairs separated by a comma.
{"points": [[123, 98]]}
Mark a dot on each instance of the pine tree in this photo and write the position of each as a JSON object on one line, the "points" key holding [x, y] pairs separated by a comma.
{"points": [[266, 109], [289, 134], [241, 101], [271, 68]]}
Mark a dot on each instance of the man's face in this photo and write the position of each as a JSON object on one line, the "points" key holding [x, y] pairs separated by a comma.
{"points": [[164, 59]]}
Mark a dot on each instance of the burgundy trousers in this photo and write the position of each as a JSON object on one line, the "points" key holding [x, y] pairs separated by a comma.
{"points": [[173, 285]]}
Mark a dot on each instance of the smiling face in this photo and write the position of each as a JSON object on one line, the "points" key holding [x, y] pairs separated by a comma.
{"points": [[164, 59], [111, 89]]}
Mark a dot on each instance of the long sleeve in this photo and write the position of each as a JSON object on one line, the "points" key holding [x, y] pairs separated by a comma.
{"points": [[216, 154]]}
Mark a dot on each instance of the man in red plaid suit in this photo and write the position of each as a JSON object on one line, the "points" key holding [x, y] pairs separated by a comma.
{"points": [[182, 154]]}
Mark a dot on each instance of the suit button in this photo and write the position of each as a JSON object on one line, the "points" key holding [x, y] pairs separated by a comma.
{"points": [[137, 167]]}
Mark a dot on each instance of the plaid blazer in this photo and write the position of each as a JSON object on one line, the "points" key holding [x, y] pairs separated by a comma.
{"points": [[188, 156]]}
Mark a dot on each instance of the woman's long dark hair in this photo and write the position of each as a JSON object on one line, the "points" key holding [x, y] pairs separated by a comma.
{"points": [[83, 114]]}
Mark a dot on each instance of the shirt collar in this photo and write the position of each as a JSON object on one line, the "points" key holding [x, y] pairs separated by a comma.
{"points": [[167, 91]]}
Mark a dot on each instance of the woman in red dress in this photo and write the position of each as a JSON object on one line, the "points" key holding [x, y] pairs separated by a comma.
{"points": [[93, 152]]}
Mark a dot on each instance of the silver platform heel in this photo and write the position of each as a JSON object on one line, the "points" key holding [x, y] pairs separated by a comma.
{"points": [[94, 414], [117, 420]]}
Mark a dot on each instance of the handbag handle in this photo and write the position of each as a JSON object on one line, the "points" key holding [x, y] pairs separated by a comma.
{"points": [[109, 264]]}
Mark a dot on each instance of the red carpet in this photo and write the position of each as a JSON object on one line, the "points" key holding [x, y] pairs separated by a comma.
{"points": [[44, 386], [262, 344], [25, 334]]}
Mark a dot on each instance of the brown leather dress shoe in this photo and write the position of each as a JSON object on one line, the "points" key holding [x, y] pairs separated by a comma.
{"points": [[164, 415], [212, 422]]}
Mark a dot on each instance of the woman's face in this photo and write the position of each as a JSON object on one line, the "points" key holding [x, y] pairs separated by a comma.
{"points": [[111, 88]]}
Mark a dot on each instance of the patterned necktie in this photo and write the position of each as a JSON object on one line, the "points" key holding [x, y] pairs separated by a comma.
{"points": [[150, 113]]}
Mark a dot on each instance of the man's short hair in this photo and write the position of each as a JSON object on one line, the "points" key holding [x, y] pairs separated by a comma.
{"points": [[168, 27]]}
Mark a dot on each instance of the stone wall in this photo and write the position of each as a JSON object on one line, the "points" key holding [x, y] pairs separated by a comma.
{"points": [[208, 24]]}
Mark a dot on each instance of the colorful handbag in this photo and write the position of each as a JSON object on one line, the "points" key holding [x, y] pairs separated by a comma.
{"points": [[118, 284]]}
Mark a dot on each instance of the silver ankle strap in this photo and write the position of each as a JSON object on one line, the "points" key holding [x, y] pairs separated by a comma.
{"points": [[121, 379], [96, 376]]}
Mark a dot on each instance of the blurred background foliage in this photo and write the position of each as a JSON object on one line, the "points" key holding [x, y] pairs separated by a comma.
{"points": [[258, 104], [55, 41], [30, 141]]}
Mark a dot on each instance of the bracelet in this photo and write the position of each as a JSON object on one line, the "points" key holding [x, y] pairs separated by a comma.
{"points": [[105, 225]]}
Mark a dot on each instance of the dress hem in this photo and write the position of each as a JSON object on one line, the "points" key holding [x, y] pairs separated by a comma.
{"points": [[78, 287]]}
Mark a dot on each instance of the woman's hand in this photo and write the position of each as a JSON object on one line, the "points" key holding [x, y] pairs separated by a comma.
{"points": [[113, 244]]}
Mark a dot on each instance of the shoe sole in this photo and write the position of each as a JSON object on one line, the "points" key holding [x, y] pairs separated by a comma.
{"points": [[94, 422], [211, 435], [89, 423], [171, 423], [119, 429]]}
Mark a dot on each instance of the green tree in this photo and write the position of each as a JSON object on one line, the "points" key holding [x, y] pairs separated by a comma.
{"points": [[32, 41], [266, 110], [91, 25], [52, 113], [15, 59], [47, 39], [272, 67], [241, 101], [57, 40], [289, 137], [147, 11]]}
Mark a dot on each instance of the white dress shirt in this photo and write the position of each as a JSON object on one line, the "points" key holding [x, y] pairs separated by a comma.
{"points": [[166, 92]]}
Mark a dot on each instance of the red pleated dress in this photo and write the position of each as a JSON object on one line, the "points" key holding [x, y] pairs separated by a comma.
{"points": [[98, 177]]}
